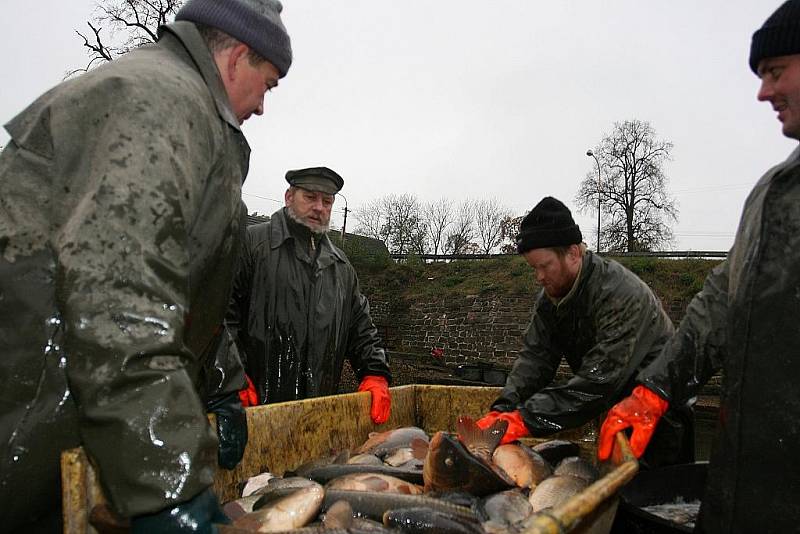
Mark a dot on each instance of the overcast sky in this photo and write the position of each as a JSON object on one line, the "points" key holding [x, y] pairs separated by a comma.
{"points": [[466, 99]]}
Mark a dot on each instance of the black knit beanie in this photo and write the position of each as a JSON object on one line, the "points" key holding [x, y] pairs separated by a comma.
{"points": [[549, 224], [256, 23], [779, 36]]}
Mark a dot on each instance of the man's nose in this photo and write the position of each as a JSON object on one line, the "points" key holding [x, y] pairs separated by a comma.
{"points": [[765, 91]]}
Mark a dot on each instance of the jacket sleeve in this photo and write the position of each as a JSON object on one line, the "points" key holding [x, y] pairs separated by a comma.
{"points": [[123, 286], [366, 356], [698, 348], [621, 324], [534, 368], [239, 307]]}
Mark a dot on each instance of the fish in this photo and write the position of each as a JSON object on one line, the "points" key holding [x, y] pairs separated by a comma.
{"points": [[336, 459], [424, 520], [326, 473], [480, 443], [504, 509], [373, 505], [382, 443], [255, 483], [449, 465], [365, 459], [278, 488], [577, 467], [555, 490], [406, 455], [556, 450], [525, 467], [373, 482], [236, 509], [292, 511], [341, 516]]}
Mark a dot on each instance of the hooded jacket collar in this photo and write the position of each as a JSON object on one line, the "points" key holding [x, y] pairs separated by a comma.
{"points": [[188, 35], [280, 233]]}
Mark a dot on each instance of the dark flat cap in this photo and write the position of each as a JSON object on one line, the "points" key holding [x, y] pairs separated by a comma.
{"points": [[316, 179]]}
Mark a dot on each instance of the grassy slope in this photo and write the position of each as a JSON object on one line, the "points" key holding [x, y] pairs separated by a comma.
{"points": [[670, 279]]}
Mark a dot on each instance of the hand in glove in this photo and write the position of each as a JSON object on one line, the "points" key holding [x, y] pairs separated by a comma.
{"points": [[641, 411], [516, 426], [381, 401], [231, 429], [248, 395], [197, 515]]}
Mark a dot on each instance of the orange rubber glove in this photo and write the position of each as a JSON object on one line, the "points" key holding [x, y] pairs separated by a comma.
{"points": [[248, 395], [381, 401], [516, 426], [641, 411]]}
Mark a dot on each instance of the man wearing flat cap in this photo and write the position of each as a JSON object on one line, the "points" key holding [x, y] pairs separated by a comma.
{"points": [[602, 319], [297, 312], [744, 322], [120, 221]]}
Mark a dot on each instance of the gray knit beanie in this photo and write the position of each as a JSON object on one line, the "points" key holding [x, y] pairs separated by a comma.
{"points": [[256, 23]]}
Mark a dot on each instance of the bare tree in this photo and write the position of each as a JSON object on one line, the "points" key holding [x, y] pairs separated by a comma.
{"points": [[405, 228], [127, 23], [462, 233], [510, 228], [631, 189], [371, 218], [489, 215], [396, 220], [438, 216]]}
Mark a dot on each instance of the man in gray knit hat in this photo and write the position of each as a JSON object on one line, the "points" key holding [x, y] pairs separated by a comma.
{"points": [[120, 221]]}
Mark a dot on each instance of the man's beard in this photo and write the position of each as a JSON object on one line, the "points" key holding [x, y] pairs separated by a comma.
{"points": [[315, 228]]}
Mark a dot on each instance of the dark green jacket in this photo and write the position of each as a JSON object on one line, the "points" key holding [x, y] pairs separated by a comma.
{"points": [[607, 328], [745, 322], [120, 217], [296, 319]]}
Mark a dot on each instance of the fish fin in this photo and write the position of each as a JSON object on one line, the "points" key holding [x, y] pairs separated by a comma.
{"points": [[342, 457], [419, 448], [481, 443], [375, 483], [339, 515]]}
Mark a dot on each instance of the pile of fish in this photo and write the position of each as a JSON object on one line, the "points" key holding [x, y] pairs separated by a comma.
{"points": [[405, 481]]}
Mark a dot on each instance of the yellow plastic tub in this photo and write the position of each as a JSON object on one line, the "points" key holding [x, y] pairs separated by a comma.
{"points": [[285, 435]]}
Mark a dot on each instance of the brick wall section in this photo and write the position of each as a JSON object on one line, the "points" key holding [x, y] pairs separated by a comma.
{"points": [[484, 328]]}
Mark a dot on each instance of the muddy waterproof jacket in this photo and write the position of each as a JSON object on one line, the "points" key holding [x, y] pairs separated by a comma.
{"points": [[608, 327], [745, 322], [296, 318], [119, 226]]}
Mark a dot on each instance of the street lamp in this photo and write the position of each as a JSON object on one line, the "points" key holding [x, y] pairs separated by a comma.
{"points": [[344, 224], [592, 155]]}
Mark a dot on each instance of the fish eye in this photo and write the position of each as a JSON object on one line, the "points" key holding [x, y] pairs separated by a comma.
{"points": [[448, 462]]}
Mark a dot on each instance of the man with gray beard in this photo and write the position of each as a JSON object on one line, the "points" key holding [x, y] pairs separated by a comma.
{"points": [[297, 311]]}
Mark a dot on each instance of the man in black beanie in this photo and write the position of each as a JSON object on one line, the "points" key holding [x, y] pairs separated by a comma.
{"points": [[744, 322], [599, 316], [120, 222]]}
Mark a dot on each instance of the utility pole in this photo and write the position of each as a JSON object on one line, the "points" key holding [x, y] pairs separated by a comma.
{"points": [[344, 224]]}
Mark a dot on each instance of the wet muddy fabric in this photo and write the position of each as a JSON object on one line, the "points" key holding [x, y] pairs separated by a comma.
{"points": [[608, 328], [745, 322], [119, 213], [297, 317]]}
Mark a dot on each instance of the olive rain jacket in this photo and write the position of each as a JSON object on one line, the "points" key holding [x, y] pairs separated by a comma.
{"points": [[297, 318], [608, 328], [120, 221], [745, 322]]}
